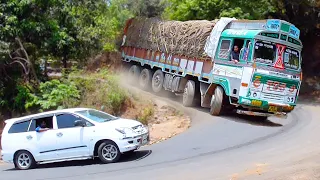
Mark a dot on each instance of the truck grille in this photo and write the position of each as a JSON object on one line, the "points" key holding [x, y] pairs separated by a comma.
{"points": [[272, 97]]}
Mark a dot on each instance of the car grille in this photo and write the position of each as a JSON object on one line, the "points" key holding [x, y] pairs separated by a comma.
{"points": [[138, 129]]}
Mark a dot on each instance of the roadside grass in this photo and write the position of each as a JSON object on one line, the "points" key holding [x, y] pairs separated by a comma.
{"points": [[145, 116]]}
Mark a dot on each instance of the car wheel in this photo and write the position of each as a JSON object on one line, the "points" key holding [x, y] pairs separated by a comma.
{"points": [[157, 81], [24, 160], [145, 79], [108, 152]]}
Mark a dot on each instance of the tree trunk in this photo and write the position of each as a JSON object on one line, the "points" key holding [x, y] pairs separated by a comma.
{"points": [[64, 61], [30, 63]]}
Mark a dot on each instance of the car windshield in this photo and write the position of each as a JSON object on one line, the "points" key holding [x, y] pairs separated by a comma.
{"points": [[265, 52], [291, 58], [97, 116]]}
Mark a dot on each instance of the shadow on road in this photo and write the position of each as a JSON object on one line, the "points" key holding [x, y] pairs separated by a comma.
{"points": [[256, 121], [252, 120], [136, 156]]}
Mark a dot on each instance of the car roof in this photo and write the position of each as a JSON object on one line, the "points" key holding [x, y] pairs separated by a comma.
{"points": [[23, 118]]}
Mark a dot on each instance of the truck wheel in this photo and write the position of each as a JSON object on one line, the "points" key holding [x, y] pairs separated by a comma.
{"points": [[157, 81], [108, 152], [134, 73], [145, 79], [24, 160], [188, 94], [217, 101]]}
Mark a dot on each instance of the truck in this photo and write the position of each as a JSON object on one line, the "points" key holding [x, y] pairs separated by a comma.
{"points": [[197, 59]]}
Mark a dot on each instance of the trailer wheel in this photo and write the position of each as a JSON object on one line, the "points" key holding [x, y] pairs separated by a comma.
{"points": [[217, 101], [134, 73], [189, 93], [145, 79], [157, 81]]}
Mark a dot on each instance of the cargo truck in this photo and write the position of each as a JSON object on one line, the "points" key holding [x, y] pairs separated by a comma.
{"points": [[198, 59]]}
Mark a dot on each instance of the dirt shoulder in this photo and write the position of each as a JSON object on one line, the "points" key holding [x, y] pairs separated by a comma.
{"points": [[167, 122], [163, 120]]}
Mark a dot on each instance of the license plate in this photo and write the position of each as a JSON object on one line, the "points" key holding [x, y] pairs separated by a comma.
{"points": [[144, 139], [145, 136], [273, 109]]}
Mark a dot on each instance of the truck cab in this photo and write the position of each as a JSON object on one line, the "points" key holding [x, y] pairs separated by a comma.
{"points": [[267, 77]]}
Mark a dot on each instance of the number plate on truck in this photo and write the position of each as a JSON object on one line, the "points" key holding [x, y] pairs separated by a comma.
{"points": [[273, 109]]}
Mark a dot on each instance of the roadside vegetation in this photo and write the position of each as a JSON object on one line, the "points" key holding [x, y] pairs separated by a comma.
{"points": [[38, 35]]}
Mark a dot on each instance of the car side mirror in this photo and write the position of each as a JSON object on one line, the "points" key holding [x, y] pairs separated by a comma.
{"points": [[80, 123]]}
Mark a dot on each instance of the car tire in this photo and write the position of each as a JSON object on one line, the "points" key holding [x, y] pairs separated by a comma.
{"points": [[145, 79], [189, 93], [108, 152], [24, 160], [217, 105], [157, 81], [133, 74]]}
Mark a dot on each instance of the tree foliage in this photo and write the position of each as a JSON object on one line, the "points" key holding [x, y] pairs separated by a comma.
{"points": [[212, 9], [147, 8], [59, 30]]}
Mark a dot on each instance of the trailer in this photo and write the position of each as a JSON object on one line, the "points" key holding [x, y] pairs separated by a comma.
{"points": [[199, 60]]}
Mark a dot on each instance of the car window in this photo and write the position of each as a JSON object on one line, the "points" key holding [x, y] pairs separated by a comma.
{"points": [[19, 127], [97, 116], [37, 122], [66, 121]]}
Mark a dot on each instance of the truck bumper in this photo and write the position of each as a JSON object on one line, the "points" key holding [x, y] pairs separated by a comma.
{"points": [[253, 113]]}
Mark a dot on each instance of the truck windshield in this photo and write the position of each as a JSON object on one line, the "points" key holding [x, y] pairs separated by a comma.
{"points": [[265, 52], [291, 58]]}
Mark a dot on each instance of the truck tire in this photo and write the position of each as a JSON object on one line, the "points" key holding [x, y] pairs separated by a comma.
{"points": [[157, 81], [145, 79], [189, 93], [217, 101], [134, 73]]}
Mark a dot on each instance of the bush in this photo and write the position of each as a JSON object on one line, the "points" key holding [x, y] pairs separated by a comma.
{"points": [[100, 90], [145, 116], [55, 94]]}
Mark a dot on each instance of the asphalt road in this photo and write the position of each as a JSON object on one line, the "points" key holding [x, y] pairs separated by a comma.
{"points": [[213, 148]]}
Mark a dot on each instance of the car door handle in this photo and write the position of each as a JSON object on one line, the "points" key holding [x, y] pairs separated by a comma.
{"points": [[29, 137], [59, 134]]}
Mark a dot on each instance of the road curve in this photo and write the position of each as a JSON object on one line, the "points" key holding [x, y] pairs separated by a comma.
{"points": [[213, 148]]}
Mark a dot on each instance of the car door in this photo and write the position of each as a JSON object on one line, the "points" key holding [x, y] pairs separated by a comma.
{"points": [[43, 143], [73, 142], [18, 132]]}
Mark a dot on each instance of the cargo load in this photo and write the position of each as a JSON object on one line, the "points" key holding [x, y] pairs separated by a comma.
{"points": [[177, 37]]}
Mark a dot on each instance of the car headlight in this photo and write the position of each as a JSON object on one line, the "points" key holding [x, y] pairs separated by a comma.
{"points": [[125, 130]]}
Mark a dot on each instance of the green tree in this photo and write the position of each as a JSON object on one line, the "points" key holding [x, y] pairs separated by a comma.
{"points": [[60, 30], [212, 9], [147, 8]]}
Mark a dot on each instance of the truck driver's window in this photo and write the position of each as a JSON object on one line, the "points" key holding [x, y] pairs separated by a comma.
{"points": [[224, 49], [237, 49]]}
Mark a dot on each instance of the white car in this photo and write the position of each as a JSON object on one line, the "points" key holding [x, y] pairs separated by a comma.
{"points": [[72, 134]]}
